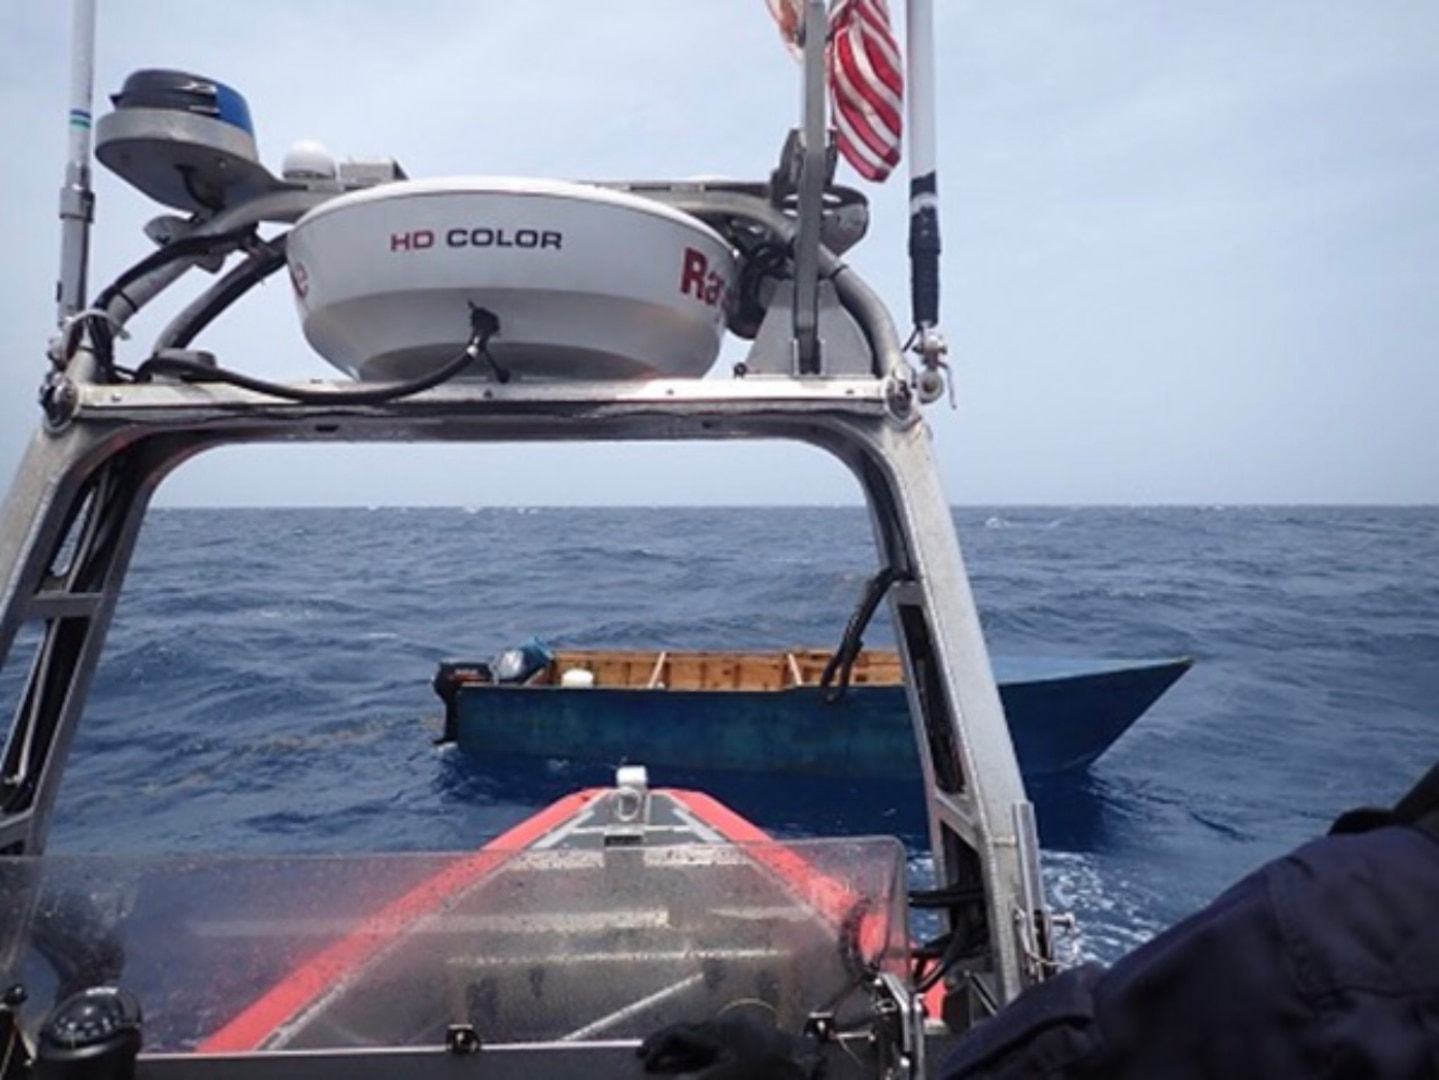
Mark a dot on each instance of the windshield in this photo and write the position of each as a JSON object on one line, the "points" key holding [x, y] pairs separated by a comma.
{"points": [[243, 953]]}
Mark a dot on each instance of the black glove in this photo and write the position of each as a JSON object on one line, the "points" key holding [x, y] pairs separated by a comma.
{"points": [[733, 1047]]}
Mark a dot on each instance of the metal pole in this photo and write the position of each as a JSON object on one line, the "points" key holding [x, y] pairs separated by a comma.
{"points": [[77, 201], [811, 191], [923, 182]]}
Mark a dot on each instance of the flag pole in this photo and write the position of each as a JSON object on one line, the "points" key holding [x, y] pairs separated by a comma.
{"points": [[924, 246], [77, 200]]}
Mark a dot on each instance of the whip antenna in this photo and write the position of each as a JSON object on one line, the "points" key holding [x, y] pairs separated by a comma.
{"points": [[77, 200], [924, 243], [812, 180]]}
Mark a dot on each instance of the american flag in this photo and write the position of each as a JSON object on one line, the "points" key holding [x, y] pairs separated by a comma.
{"points": [[866, 79]]}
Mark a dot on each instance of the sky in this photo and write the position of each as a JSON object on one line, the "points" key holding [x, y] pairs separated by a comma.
{"points": [[1191, 250]]}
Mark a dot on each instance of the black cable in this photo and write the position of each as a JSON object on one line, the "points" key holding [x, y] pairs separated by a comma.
{"points": [[765, 261], [102, 343], [947, 952], [97, 320], [484, 324], [267, 258], [184, 248], [968, 937], [952, 948], [950, 896], [842, 662]]}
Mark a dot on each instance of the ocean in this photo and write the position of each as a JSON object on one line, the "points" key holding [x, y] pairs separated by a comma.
{"points": [[266, 686]]}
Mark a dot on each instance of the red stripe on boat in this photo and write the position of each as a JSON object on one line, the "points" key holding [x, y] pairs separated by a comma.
{"points": [[285, 1001], [829, 896], [832, 899]]}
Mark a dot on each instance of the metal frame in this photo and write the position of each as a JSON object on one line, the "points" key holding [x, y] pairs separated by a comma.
{"points": [[69, 525], [833, 376]]}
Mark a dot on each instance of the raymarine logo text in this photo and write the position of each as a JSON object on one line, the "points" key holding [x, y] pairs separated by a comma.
{"points": [[700, 280]]}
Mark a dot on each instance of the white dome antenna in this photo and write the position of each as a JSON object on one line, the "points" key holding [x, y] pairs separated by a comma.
{"points": [[308, 160]]}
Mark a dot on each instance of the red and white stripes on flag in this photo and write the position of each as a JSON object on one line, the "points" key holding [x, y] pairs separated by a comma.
{"points": [[866, 79], [866, 86]]}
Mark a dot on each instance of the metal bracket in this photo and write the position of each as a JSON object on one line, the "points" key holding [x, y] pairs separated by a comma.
{"points": [[1033, 922], [930, 347], [899, 1028], [629, 806], [899, 397], [16, 1053], [845, 346], [59, 399], [462, 1040]]}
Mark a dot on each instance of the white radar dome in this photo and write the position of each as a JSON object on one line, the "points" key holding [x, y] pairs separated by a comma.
{"points": [[308, 160], [586, 283]]}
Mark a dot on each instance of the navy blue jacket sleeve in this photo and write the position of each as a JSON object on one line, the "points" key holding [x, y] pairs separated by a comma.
{"points": [[1324, 963]]}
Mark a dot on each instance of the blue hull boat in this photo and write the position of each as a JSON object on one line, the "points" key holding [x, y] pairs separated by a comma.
{"points": [[769, 713]]}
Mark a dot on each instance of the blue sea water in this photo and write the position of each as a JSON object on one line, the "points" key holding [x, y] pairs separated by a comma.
{"points": [[267, 682]]}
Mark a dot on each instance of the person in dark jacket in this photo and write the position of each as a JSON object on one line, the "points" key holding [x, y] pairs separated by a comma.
{"points": [[1323, 963]]}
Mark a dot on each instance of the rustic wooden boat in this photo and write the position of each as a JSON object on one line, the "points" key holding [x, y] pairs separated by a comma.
{"points": [[773, 712]]}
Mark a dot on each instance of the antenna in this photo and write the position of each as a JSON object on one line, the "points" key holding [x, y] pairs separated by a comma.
{"points": [[923, 183], [812, 179], [77, 201]]}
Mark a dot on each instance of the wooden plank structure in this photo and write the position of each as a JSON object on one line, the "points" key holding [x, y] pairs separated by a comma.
{"points": [[672, 669]]}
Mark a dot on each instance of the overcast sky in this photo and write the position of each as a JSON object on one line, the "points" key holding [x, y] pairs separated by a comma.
{"points": [[1191, 250]]}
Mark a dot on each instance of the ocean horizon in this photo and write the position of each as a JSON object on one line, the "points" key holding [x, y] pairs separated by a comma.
{"points": [[266, 685]]}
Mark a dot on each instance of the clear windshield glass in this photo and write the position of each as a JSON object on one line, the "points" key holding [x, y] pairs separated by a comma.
{"points": [[231, 954]]}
